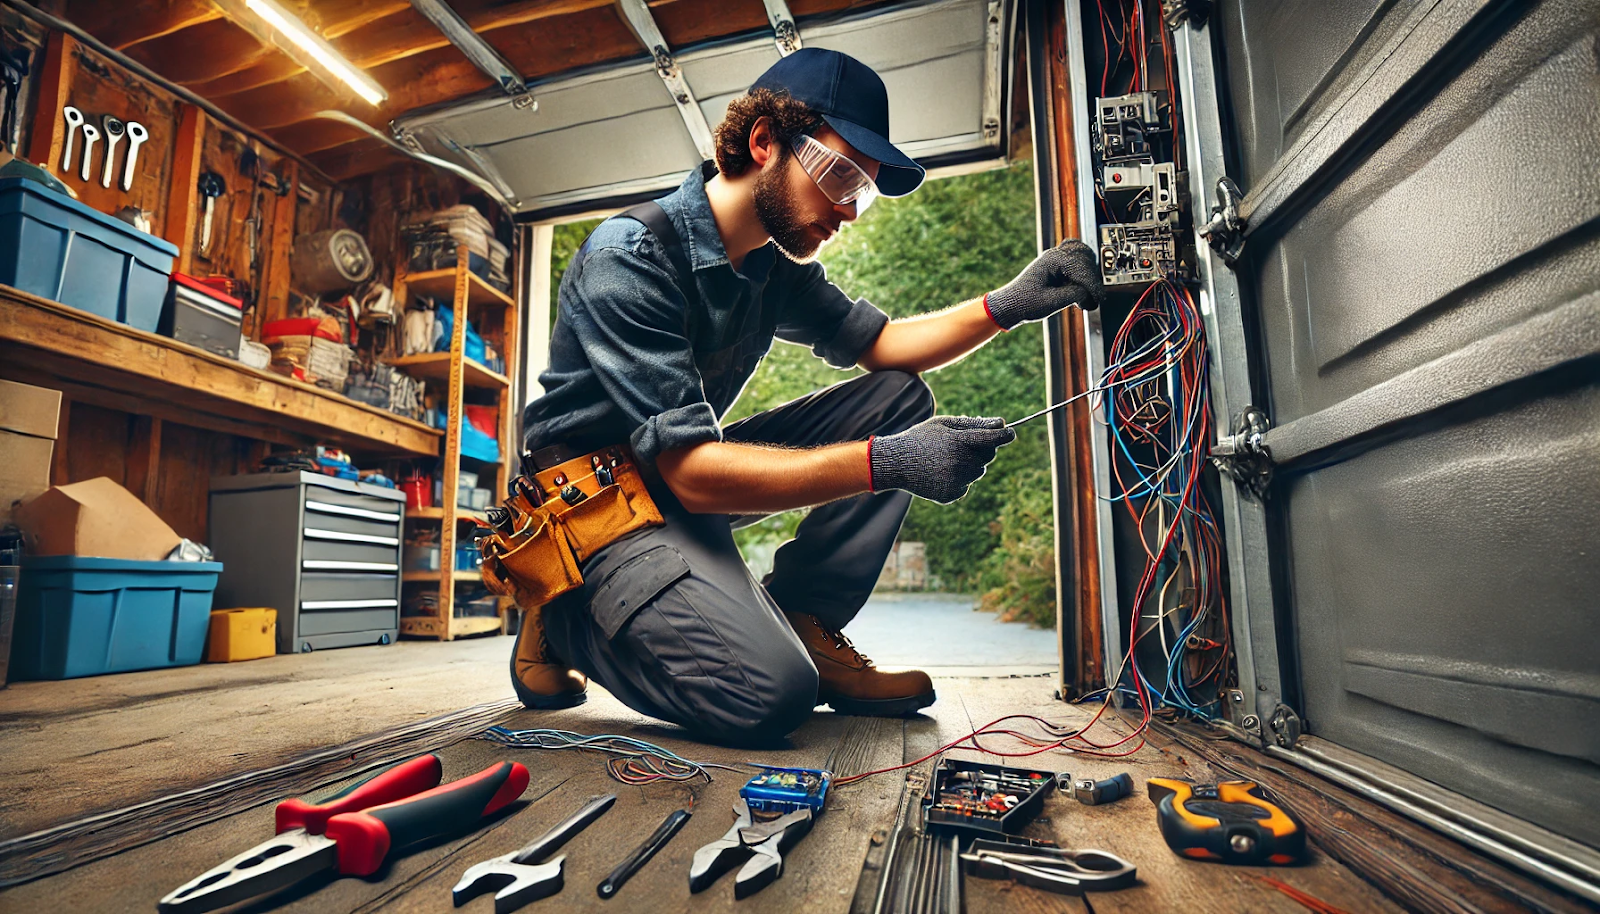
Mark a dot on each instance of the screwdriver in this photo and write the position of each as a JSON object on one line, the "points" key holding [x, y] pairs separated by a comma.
{"points": [[1050, 409]]}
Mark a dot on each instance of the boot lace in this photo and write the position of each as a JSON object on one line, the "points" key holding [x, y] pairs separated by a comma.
{"points": [[842, 642]]}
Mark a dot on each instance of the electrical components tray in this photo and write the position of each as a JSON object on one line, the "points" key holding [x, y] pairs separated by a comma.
{"points": [[988, 798]]}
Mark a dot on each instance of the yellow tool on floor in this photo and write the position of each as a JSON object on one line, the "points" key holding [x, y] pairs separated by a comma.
{"points": [[242, 634]]}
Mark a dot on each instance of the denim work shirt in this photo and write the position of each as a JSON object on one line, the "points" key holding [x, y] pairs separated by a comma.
{"points": [[631, 360]]}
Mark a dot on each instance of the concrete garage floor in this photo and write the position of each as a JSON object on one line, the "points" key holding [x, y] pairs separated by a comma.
{"points": [[101, 745]]}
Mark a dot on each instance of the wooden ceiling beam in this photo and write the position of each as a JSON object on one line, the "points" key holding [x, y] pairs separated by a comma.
{"points": [[123, 25], [203, 57]]}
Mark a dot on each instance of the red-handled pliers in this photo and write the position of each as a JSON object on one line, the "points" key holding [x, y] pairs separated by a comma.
{"points": [[353, 831]]}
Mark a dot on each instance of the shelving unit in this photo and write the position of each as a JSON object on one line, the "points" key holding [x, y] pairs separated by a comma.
{"points": [[470, 297]]}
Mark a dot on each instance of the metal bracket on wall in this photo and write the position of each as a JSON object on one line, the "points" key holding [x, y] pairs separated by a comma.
{"points": [[1286, 726], [1178, 13], [784, 32], [1244, 455], [1225, 229], [694, 120]]}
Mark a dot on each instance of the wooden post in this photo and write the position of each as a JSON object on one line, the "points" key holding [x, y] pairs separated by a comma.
{"points": [[274, 297], [144, 458], [55, 82], [183, 205], [451, 466]]}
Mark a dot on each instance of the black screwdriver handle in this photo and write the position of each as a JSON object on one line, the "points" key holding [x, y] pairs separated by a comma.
{"points": [[642, 854], [365, 838]]}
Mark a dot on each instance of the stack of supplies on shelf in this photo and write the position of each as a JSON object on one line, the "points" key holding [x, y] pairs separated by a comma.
{"points": [[309, 349], [431, 242]]}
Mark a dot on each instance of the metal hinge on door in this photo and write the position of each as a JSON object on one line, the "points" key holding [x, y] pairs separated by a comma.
{"points": [[1244, 454], [1225, 229]]}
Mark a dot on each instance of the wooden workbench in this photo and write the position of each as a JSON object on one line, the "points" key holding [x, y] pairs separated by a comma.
{"points": [[98, 361]]}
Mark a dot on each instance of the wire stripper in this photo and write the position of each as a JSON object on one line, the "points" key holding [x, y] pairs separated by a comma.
{"points": [[1231, 821]]}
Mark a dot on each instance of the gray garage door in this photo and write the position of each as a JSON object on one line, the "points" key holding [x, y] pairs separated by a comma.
{"points": [[1423, 276]]}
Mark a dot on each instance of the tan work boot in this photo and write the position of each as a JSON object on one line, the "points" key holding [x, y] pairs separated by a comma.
{"points": [[540, 679], [850, 684]]}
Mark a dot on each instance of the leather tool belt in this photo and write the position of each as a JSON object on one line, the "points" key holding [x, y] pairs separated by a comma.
{"points": [[541, 535]]}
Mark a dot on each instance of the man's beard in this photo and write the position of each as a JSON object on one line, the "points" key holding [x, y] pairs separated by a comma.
{"points": [[775, 207]]}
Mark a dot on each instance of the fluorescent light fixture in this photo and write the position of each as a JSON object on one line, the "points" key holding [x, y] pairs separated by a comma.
{"points": [[322, 52]]}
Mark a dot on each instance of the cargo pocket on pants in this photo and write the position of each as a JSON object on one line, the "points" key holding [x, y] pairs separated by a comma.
{"points": [[634, 584]]}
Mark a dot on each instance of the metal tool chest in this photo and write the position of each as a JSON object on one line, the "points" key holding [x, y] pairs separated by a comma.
{"points": [[323, 552]]}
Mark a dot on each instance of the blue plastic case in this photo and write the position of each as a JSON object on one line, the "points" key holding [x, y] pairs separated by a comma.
{"points": [[783, 790]]}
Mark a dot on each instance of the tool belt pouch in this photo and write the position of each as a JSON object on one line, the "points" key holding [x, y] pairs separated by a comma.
{"points": [[540, 559]]}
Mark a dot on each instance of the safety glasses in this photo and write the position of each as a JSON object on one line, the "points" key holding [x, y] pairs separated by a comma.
{"points": [[839, 179]]}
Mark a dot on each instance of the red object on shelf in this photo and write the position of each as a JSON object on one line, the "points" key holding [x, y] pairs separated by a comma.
{"points": [[485, 419], [302, 326], [207, 289], [419, 492]]}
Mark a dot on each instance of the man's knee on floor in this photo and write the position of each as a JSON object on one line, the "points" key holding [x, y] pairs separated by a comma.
{"points": [[743, 717]]}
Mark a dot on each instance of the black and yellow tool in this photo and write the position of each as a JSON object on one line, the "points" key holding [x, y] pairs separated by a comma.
{"points": [[1231, 821]]}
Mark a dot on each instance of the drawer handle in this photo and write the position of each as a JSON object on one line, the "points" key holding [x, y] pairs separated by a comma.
{"points": [[313, 533], [330, 565], [325, 508], [349, 604]]}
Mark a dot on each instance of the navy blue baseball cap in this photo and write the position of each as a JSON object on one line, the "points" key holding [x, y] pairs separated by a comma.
{"points": [[854, 102]]}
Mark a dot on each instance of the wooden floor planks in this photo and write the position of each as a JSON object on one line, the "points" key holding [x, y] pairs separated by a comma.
{"points": [[824, 872]]}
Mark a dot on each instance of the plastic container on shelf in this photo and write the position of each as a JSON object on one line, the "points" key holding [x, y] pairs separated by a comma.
{"points": [[80, 616], [54, 247]]}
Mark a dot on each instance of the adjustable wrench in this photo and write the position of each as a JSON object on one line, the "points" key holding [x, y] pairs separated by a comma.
{"points": [[74, 119], [114, 129], [136, 137], [91, 135]]}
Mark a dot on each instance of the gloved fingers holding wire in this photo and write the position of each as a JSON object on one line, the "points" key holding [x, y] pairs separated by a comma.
{"points": [[1067, 274], [939, 458]]}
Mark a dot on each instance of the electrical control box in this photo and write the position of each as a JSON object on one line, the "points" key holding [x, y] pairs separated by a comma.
{"points": [[1139, 252], [1125, 124], [784, 790]]}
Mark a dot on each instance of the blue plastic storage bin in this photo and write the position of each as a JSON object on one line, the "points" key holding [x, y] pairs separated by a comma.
{"points": [[55, 247], [80, 616]]}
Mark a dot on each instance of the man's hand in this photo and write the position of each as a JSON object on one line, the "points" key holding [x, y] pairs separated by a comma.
{"points": [[937, 459], [1067, 274]]}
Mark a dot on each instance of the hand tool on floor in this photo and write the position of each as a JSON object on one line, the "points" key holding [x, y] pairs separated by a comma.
{"points": [[91, 135], [115, 130], [641, 855], [136, 137], [353, 834], [1091, 792], [1231, 821], [523, 876], [1060, 870], [74, 119], [211, 187], [760, 846]]}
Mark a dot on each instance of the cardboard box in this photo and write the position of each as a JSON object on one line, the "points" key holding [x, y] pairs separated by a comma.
{"points": [[28, 420], [95, 518]]}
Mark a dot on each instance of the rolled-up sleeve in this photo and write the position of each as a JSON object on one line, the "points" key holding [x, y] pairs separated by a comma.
{"points": [[836, 327], [628, 316]]}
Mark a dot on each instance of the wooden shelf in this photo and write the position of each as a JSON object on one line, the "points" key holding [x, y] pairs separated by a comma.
{"points": [[100, 361], [435, 366], [457, 576], [438, 514], [441, 284], [474, 625]]}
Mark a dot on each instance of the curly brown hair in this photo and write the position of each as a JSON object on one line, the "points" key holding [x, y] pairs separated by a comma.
{"points": [[789, 118]]}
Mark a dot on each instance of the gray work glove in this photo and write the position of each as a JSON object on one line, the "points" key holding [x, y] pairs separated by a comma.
{"points": [[1067, 274], [939, 458]]}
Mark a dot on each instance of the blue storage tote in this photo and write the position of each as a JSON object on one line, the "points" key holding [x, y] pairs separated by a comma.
{"points": [[55, 247], [79, 616]]}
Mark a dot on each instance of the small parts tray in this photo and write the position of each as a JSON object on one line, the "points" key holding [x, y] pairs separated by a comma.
{"points": [[986, 798]]}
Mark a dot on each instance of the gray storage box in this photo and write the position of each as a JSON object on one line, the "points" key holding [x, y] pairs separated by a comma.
{"points": [[324, 552]]}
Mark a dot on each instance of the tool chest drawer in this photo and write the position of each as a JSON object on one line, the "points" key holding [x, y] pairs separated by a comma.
{"points": [[324, 552], [320, 586]]}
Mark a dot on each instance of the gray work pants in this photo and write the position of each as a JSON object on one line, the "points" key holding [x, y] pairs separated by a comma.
{"points": [[669, 619]]}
